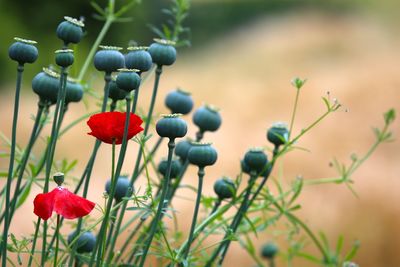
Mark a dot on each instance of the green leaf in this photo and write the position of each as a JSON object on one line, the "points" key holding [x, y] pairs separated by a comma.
{"points": [[97, 8], [24, 194], [353, 251], [339, 245]]}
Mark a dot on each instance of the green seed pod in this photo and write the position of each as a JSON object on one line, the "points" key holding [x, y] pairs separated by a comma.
{"points": [[70, 30], [207, 118], [225, 188], [256, 160], [64, 57], [171, 126], [121, 189], [138, 58], [23, 51], [128, 79], [74, 91], [46, 85], [179, 101], [244, 167], [58, 178], [182, 149], [278, 134], [85, 242], [202, 154], [269, 250], [163, 52], [109, 59], [176, 168], [115, 92]]}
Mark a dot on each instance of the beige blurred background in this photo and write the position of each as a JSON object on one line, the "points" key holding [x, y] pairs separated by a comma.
{"points": [[246, 72]]}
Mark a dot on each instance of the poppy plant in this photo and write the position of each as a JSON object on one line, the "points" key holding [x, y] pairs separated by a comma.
{"points": [[109, 126], [63, 202]]}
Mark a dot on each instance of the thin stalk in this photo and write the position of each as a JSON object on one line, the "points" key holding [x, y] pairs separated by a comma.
{"points": [[196, 211], [216, 206], [294, 112], [20, 70], [56, 233], [156, 221], [34, 242]]}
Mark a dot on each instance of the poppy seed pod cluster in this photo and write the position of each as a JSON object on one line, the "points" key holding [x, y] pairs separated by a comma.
{"points": [[179, 101], [70, 30], [85, 243], [138, 58], [23, 51], [163, 52], [278, 134], [121, 189], [171, 126], [176, 168], [224, 188], [109, 59], [202, 154]]}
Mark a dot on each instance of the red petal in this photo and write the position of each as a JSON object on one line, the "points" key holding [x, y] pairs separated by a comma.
{"points": [[71, 206], [43, 204]]}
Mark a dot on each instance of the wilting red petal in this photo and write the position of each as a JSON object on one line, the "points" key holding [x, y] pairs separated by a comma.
{"points": [[71, 206], [63, 202], [109, 126], [43, 204]]}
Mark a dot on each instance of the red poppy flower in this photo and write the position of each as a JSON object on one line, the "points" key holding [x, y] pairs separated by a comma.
{"points": [[109, 126], [63, 202]]}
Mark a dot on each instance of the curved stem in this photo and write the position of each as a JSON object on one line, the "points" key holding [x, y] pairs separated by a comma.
{"points": [[20, 70], [155, 224], [196, 211], [56, 233]]}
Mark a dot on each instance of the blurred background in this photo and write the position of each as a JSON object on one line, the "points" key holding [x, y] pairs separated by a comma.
{"points": [[243, 56]]}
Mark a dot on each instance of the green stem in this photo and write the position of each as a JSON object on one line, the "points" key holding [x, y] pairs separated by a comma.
{"points": [[20, 70], [56, 233], [294, 112], [34, 242], [155, 224], [196, 211]]}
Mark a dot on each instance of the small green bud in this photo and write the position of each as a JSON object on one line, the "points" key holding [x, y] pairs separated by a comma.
{"points": [[298, 83], [59, 178], [269, 250]]}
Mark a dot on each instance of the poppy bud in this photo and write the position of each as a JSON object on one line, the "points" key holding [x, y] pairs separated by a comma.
{"points": [[74, 91], [121, 188], [207, 118], [202, 154], [171, 126], [224, 188], [176, 168], [115, 92], [138, 58], [109, 59], [163, 52], [46, 85], [182, 149], [85, 243], [64, 57], [23, 51], [269, 250], [70, 30], [128, 79], [59, 178], [278, 134], [179, 101], [256, 160]]}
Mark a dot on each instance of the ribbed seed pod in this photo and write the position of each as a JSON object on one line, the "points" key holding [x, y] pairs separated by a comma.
{"points": [[179, 101], [269, 250], [64, 57], [70, 30], [171, 126], [207, 118], [85, 242], [176, 168], [182, 149], [115, 92], [109, 59], [163, 52], [256, 160], [278, 133], [74, 91], [23, 51], [138, 58], [46, 85], [128, 79], [225, 188], [202, 154], [121, 188]]}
